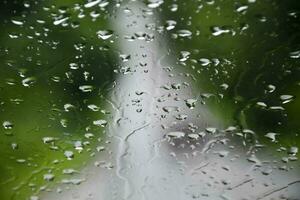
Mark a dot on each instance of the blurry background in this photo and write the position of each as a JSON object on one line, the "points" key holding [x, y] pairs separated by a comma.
{"points": [[60, 59]]}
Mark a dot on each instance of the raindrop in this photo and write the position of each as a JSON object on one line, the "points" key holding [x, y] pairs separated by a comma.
{"points": [[73, 65], [27, 82], [276, 108], [7, 125], [211, 130], [176, 86], [86, 88], [204, 61], [286, 98], [49, 177], [194, 136], [100, 122], [181, 117], [124, 57], [64, 122], [295, 54], [93, 107], [169, 109], [254, 159], [223, 153], [261, 104], [242, 9], [217, 31], [293, 150], [184, 55], [191, 103], [78, 146], [21, 160], [104, 34], [14, 146], [34, 198], [69, 171], [224, 86], [60, 21], [68, 107], [89, 135], [76, 181], [174, 7], [17, 22], [100, 148], [69, 155], [47, 140], [155, 3], [271, 88], [271, 136], [175, 134], [231, 129], [170, 24], [267, 171], [184, 33], [92, 3], [103, 4]]}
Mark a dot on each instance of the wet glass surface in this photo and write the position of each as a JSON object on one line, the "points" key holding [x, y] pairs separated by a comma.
{"points": [[149, 100]]}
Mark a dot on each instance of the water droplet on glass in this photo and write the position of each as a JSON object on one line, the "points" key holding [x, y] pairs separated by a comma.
{"points": [[69, 155], [184, 33], [204, 61], [271, 136], [293, 150], [169, 109], [125, 57], [47, 140], [69, 171], [191, 103], [184, 55], [211, 130], [92, 3], [93, 107], [17, 22], [174, 7], [170, 24], [175, 134], [48, 177], [100, 122], [242, 9], [7, 125], [60, 21], [27, 82], [104, 34], [86, 88], [286, 98], [217, 31], [295, 54], [34, 198], [155, 3], [14, 146]]}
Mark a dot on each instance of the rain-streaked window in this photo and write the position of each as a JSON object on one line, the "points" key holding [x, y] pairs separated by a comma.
{"points": [[149, 99]]}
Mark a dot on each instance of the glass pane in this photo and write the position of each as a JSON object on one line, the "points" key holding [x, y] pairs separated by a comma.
{"points": [[156, 99]]}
